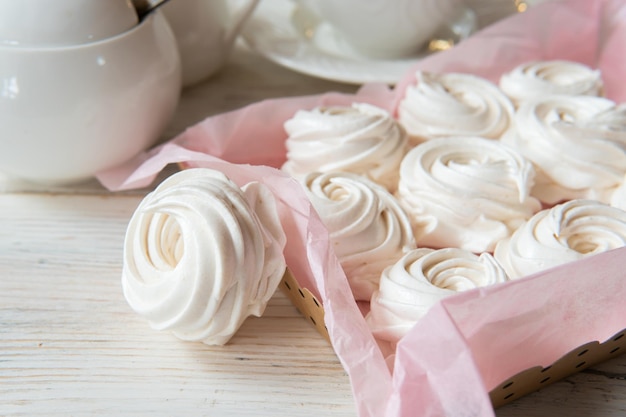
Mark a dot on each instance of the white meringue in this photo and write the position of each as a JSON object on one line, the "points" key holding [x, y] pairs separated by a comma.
{"points": [[577, 144], [564, 233], [368, 228], [618, 198], [201, 254], [441, 105], [362, 139], [410, 287], [465, 192], [540, 78]]}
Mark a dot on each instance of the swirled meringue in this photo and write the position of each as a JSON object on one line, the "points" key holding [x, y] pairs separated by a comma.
{"points": [[410, 287], [540, 78], [368, 228], [577, 144], [441, 105], [362, 139], [201, 254], [564, 233], [465, 192], [618, 198]]}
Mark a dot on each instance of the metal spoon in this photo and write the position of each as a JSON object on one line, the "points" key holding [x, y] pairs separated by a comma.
{"points": [[144, 7]]}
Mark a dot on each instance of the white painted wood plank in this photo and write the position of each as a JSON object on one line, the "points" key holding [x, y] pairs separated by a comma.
{"points": [[69, 344]]}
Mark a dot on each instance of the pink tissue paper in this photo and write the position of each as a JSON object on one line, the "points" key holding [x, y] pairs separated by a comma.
{"points": [[469, 343]]}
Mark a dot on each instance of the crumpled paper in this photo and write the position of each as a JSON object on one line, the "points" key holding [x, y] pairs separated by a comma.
{"points": [[469, 343]]}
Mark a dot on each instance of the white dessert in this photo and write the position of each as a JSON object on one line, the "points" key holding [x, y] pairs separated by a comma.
{"points": [[410, 287], [577, 144], [540, 78], [465, 192], [442, 105], [362, 139], [202, 254], [618, 198], [564, 233], [368, 228]]}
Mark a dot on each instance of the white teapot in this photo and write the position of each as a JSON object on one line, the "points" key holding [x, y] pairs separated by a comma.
{"points": [[205, 31]]}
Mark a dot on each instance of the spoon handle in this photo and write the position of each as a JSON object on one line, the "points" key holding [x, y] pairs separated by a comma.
{"points": [[144, 7]]}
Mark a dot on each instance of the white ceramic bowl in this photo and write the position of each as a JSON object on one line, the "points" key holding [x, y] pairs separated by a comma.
{"points": [[63, 22], [67, 113]]}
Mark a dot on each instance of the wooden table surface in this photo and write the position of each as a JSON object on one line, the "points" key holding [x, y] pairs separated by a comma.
{"points": [[70, 345]]}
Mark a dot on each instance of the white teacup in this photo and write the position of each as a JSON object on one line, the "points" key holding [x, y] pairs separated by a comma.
{"points": [[205, 31], [391, 29], [68, 112]]}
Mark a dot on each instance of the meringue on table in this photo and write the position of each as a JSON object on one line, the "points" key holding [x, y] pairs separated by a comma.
{"points": [[202, 254]]}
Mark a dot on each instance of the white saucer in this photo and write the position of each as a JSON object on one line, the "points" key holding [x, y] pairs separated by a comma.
{"points": [[288, 35]]}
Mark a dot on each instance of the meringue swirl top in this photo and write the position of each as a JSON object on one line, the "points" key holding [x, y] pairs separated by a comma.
{"points": [[577, 144], [201, 254], [465, 192], [410, 287], [618, 198], [564, 233], [539, 78], [362, 139], [452, 104], [368, 228]]}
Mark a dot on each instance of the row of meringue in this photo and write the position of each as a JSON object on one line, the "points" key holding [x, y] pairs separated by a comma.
{"points": [[455, 104], [552, 237], [552, 112], [369, 232], [577, 144], [465, 192]]}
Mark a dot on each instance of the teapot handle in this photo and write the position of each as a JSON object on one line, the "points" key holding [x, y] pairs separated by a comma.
{"points": [[239, 18]]}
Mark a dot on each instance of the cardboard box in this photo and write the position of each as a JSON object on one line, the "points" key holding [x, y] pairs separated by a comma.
{"points": [[512, 388]]}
